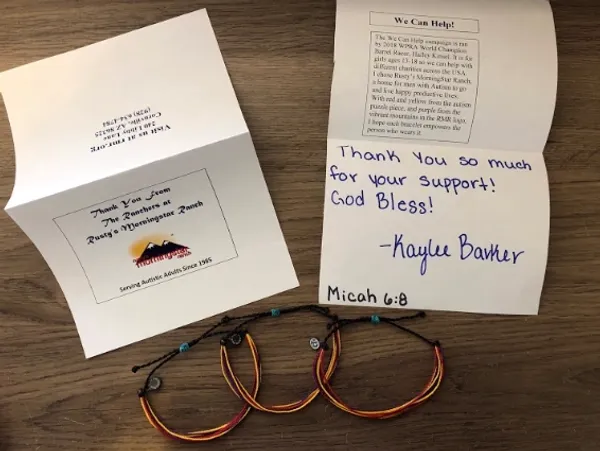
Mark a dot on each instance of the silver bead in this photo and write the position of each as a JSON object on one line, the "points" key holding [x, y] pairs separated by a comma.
{"points": [[154, 383], [236, 339], [315, 344]]}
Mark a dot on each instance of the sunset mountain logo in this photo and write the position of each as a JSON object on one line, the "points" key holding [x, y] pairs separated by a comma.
{"points": [[154, 253]]}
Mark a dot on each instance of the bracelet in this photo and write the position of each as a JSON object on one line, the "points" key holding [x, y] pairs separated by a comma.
{"points": [[321, 371], [430, 388], [153, 383], [241, 391]]}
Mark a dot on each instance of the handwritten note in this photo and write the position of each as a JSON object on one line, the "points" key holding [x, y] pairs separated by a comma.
{"points": [[392, 193], [429, 227], [436, 189]]}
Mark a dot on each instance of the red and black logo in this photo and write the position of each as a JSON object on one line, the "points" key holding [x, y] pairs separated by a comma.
{"points": [[154, 253]]}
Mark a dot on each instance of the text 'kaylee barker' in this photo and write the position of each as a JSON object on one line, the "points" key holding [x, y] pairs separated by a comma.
{"points": [[464, 249]]}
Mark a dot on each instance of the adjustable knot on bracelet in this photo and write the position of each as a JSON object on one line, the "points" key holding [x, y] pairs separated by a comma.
{"points": [[334, 321]]}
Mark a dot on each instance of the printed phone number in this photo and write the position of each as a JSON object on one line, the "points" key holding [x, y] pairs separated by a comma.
{"points": [[120, 123]]}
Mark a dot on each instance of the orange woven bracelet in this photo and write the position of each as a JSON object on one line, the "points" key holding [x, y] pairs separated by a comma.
{"points": [[208, 434], [428, 391], [241, 391]]}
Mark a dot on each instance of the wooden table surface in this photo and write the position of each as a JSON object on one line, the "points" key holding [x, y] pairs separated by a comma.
{"points": [[513, 383]]}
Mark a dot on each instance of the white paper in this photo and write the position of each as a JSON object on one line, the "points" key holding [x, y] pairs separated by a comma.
{"points": [[138, 182], [439, 116]]}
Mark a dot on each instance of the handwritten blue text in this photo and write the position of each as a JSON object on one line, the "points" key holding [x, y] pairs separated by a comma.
{"points": [[466, 250], [455, 185], [351, 152]]}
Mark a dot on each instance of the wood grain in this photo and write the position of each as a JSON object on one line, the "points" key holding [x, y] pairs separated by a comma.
{"points": [[513, 383]]}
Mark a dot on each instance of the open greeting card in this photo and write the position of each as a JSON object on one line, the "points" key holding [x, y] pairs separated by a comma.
{"points": [[137, 180], [437, 192]]}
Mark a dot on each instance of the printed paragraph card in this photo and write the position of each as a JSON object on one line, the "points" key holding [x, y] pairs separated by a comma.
{"points": [[436, 187]]}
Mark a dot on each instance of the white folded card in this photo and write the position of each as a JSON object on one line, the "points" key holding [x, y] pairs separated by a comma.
{"points": [[437, 192], [137, 180]]}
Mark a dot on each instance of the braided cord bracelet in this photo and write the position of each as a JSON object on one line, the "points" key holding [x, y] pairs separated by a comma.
{"points": [[241, 391], [153, 383], [321, 371], [426, 393], [208, 434]]}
